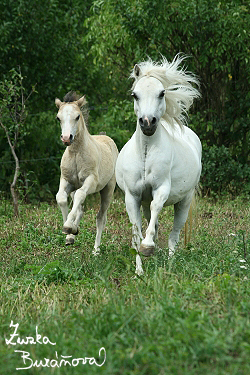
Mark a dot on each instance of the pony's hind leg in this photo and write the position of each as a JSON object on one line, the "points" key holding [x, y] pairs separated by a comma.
{"points": [[106, 197], [181, 210]]}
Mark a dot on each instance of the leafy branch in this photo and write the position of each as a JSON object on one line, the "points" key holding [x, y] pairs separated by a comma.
{"points": [[12, 120]]}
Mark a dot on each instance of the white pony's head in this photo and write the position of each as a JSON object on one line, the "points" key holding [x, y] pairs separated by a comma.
{"points": [[69, 116], [162, 90]]}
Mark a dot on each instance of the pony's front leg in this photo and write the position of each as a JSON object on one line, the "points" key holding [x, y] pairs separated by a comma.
{"points": [[75, 215], [159, 198], [70, 238], [65, 188], [133, 209], [147, 214]]}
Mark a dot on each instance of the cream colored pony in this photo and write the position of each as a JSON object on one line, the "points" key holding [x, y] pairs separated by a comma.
{"points": [[87, 167]]}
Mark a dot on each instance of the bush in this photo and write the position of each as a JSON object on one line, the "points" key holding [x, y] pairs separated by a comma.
{"points": [[222, 173], [118, 122]]}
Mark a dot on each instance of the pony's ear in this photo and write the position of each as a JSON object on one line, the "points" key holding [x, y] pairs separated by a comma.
{"points": [[58, 102], [137, 71], [80, 102]]}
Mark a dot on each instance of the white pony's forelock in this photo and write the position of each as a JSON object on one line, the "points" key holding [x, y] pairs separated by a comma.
{"points": [[177, 82]]}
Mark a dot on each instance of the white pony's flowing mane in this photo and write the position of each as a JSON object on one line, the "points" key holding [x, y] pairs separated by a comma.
{"points": [[177, 82]]}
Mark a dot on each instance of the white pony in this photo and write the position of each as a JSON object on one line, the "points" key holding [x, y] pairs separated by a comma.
{"points": [[87, 166], [161, 164]]}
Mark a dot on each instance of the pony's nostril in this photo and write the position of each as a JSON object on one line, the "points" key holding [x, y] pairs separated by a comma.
{"points": [[71, 137], [153, 121], [141, 121]]}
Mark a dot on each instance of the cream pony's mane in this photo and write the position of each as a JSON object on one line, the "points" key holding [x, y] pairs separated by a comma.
{"points": [[177, 82]]}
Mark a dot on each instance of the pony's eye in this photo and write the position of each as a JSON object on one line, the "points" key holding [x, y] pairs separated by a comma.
{"points": [[162, 93], [77, 118], [134, 95]]}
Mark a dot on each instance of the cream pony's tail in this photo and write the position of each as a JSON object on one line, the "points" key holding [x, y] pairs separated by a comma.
{"points": [[188, 227]]}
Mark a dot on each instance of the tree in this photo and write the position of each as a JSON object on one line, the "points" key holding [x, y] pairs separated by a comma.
{"points": [[44, 39], [12, 120], [92, 46], [215, 36]]}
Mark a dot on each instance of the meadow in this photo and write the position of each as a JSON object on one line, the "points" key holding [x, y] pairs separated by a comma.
{"points": [[186, 316]]}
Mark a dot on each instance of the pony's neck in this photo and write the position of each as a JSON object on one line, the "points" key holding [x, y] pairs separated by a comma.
{"points": [[81, 138], [144, 141]]}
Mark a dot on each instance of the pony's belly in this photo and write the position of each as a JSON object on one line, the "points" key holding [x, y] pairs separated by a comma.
{"points": [[174, 198], [174, 189], [146, 192]]}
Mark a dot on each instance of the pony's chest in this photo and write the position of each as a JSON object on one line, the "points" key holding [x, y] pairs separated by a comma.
{"points": [[148, 173], [72, 171]]}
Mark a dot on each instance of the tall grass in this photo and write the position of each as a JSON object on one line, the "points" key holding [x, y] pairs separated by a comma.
{"points": [[186, 316]]}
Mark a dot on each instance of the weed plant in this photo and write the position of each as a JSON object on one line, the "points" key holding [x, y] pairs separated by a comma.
{"points": [[184, 316]]}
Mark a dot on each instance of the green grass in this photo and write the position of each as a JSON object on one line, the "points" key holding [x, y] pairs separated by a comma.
{"points": [[186, 316]]}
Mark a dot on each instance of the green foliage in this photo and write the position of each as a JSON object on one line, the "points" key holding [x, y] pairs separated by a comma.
{"points": [[12, 121], [119, 121], [92, 47], [12, 111], [39, 153], [46, 45], [42, 169], [44, 40], [221, 173], [215, 36]]}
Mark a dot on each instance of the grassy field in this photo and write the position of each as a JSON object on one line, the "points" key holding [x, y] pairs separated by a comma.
{"points": [[187, 316]]}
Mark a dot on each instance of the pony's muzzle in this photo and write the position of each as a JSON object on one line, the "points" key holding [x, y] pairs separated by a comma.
{"points": [[67, 140], [148, 125]]}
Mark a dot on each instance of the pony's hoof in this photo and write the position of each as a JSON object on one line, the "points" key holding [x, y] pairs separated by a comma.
{"points": [[69, 230], [170, 253], [96, 252], [147, 250], [70, 239]]}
